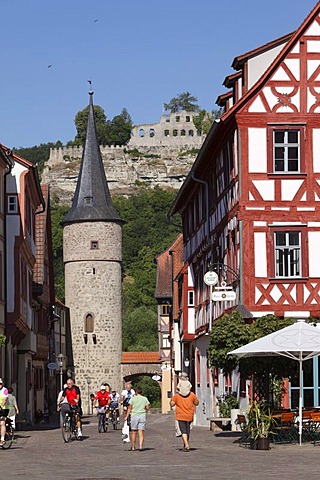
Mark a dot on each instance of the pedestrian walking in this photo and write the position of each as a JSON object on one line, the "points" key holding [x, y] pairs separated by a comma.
{"points": [[185, 403], [13, 407], [138, 407]]}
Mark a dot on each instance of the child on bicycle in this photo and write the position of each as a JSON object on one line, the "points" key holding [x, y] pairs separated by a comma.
{"points": [[114, 404]]}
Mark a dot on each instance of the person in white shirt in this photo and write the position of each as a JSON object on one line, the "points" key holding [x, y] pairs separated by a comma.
{"points": [[126, 396], [3, 406], [59, 409]]}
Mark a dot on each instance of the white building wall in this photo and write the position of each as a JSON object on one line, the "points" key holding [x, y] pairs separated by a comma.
{"points": [[257, 150], [13, 230], [260, 254], [313, 245], [316, 149], [13, 180]]}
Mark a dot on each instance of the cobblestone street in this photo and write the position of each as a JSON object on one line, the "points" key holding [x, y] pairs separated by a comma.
{"points": [[43, 454]]}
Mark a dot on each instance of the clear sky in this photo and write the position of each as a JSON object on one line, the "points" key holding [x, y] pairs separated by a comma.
{"points": [[138, 54]]}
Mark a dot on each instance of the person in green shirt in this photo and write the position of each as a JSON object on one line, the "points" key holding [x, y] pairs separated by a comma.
{"points": [[138, 407]]}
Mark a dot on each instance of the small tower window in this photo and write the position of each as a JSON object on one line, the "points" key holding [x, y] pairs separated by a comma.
{"points": [[187, 118], [88, 200], [166, 133], [183, 133], [89, 323], [152, 132], [94, 245]]}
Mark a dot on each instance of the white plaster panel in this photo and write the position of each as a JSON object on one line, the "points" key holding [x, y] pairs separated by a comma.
{"points": [[259, 224], [276, 293], [271, 99], [257, 150], [257, 65], [261, 314], [294, 66], [313, 224], [257, 106], [316, 149], [313, 46], [293, 293], [304, 197], [251, 197], [313, 30], [280, 75], [191, 320], [257, 295], [314, 261], [265, 188], [316, 197], [296, 48], [260, 254], [289, 188], [306, 293], [282, 89], [296, 314], [190, 277], [312, 66], [266, 302]]}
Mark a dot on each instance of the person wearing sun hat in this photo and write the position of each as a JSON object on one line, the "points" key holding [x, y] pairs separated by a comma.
{"points": [[3, 406]]}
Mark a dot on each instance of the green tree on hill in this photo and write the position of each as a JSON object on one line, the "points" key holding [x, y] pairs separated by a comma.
{"points": [[183, 101]]}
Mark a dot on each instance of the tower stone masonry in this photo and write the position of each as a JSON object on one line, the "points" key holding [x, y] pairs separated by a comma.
{"points": [[92, 251]]}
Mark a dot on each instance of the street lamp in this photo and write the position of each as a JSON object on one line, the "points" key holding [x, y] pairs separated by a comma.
{"points": [[60, 358]]}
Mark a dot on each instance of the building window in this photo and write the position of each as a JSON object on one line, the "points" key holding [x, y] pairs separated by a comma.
{"points": [[166, 133], [175, 133], [166, 340], [188, 118], [94, 245], [164, 309], [89, 323], [168, 118], [12, 204], [287, 254], [191, 298], [141, 132], [177, 118], [286, 151], [183, 133], [152, 132], [190, 133]]}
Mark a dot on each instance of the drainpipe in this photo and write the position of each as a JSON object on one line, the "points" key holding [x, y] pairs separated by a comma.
{"points": [[206, 184]]}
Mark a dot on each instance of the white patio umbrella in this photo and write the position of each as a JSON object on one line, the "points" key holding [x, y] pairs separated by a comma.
{"points": [[299, 341]]}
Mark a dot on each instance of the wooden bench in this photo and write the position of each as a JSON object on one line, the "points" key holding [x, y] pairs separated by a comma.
{"points": [[216, 422]]}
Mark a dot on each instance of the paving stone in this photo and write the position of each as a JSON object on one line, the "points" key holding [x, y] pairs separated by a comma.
{"points": [[43, 454]]}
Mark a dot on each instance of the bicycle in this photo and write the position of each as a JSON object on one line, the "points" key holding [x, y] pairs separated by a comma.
{"points": [[9, 436], [114, 415], [102, 415], [69, 427]]}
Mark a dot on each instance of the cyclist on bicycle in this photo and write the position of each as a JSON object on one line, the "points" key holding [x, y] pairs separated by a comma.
{"points": [[102, 399], [125, 397], [114, 404], [73, 396]]}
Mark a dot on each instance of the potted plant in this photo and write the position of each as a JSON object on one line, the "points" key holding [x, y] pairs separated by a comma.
{"points": [[229, 407], [259, 425]]}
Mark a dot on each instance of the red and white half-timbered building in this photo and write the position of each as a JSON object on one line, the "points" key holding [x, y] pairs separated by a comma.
{"points": [[252, 199]]}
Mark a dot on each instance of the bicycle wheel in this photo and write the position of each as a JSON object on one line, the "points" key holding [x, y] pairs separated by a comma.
{"points": [[8, 437], [66, 430]]}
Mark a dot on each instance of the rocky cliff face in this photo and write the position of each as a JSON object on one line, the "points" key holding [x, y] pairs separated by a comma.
{"points": [[165, 166]]}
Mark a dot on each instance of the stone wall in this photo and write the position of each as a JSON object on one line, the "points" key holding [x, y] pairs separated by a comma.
{"points": [[165, 166], [93, 287]]}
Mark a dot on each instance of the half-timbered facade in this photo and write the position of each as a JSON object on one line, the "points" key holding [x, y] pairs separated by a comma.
{"points": [[250, 205], [23, 198]]}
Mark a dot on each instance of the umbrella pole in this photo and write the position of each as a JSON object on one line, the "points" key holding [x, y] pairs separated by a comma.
{"points": [[300, 399]]}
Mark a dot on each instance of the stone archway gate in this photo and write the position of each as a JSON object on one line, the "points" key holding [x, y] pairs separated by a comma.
{"points": [[135, 364]]}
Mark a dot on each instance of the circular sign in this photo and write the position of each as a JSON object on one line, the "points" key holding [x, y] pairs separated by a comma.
{"points": [[156, 378], [52, 366], [210, 278]]}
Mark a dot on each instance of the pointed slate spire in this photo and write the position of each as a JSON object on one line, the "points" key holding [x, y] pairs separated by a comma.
{"points": [[92, 200]]}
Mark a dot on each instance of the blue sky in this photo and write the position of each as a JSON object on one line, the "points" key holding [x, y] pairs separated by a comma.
{"points": [[138, 54]]}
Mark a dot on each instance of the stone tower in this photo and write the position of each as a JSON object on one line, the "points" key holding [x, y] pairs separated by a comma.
{"points": [[92, 254]]}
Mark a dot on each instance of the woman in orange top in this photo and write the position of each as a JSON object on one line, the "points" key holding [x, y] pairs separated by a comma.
{"points": [[185, 407]]}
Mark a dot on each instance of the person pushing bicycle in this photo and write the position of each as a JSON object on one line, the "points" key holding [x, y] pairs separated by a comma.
{"points": [[73, 396]]}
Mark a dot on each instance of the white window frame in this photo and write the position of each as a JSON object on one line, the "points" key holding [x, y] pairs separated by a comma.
{"points": [[291, 256], [286, 145]]}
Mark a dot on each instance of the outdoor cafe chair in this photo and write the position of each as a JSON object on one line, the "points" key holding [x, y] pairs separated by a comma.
{"points": [[284, 430], [245, 433]]}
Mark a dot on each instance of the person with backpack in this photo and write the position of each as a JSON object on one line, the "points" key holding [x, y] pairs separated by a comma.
{"points": [[126, 396]]}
